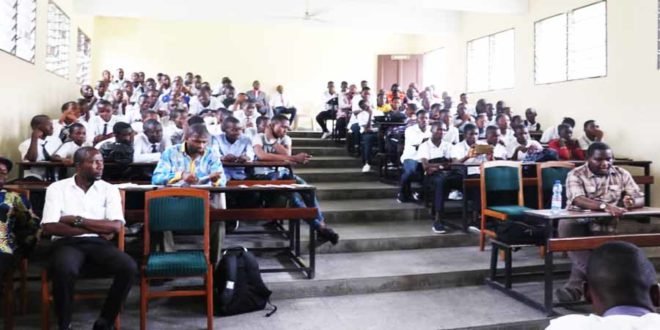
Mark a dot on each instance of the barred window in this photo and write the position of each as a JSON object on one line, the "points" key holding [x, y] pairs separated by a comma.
{"points": [[84, 58], [18, 26], [490, 62], [59, 29]]}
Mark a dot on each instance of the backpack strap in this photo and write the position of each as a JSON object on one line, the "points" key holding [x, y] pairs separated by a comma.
{"points": [[232, 266]]}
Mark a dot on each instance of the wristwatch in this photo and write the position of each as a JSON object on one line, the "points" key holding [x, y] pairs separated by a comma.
{"points": [[602, 206], [78, 221]]}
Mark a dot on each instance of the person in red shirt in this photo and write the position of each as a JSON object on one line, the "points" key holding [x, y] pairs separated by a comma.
{"points": [[566, 147]]}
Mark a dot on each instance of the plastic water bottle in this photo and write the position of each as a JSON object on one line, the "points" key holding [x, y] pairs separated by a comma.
{"points": [[556, 206]]}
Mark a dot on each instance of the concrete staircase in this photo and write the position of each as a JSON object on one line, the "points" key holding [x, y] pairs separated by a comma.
{"points": [[384, 247]]}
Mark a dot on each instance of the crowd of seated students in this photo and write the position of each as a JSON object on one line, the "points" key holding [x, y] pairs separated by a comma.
{"points": [[431, 120]]}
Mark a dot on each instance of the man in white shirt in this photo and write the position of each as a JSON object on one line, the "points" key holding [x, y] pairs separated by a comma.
{"points": [[40, 146], [362, 129], [435, 154], [521, 144], [149, 144], [83, 213], [248, 120], [530, 121], [503, 128], [622, 288], [281, 105], [450, 134], [330, 106], [118, 82], [100, 127], [414, 136], [77, 140], [469, 108], [592, 133], [202, 101], [492, 138], [69, 116], [552, 133]]}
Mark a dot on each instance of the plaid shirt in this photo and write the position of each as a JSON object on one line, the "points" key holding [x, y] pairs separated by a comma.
{"points": [[174, 161], [608, 189]]}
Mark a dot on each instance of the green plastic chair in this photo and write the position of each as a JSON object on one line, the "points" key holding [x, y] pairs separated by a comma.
{"points": [[176, 209], [546, 174]]}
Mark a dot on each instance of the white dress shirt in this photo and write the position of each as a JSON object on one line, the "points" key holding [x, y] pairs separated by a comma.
{"points": [[196, 106], [102, 201], [451, 135], [50, 143], [143, 149], [460, 150], [499, 151], [428, 150], [279, 100], [67, 149], [513, 145], [362, 118], [326, 98], [97, 126], [413, 138], [550, 134], [650, 321], [585, 142]]}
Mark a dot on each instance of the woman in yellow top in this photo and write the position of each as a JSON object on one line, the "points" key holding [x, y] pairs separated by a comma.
{"points": [[381, 105]]}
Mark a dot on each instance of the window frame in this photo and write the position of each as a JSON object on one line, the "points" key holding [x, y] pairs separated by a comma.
{"points": [[68, 70], [467, 58], [567, 13], [36, 35]]}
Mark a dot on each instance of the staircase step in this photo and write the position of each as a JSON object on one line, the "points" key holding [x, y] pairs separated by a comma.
{"points": [[305, 134], [335, 162], [316, 175], [387, 271], [362, 237], [326, 191], [368, 210], [424, 309], [321, 151], [312, 142]]}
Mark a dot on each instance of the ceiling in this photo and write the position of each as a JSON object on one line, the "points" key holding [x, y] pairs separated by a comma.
{"points": [[404, 16]]}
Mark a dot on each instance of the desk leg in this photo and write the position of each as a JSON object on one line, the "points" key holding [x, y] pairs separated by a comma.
{"points": [[297, 237], [312, 253], [548, 271], [291, 232]]}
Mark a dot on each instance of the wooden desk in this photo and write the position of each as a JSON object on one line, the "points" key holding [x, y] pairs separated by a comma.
{"points": [[573, 244], [147, 166]]}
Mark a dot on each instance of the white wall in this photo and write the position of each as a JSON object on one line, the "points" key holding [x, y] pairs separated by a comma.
{"points": [[624, 102]]}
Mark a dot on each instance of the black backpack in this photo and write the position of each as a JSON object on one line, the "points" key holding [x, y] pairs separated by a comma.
{"points": [[238, 284]]}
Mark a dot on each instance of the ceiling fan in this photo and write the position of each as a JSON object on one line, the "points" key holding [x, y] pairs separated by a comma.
{"points": [[308, 16]]}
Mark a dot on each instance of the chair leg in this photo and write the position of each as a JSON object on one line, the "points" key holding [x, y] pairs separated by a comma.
{"points": [[23, 273], [482, 234], [45, 302], [144, 301], [493, 262], [507, 267], [209, 298]]}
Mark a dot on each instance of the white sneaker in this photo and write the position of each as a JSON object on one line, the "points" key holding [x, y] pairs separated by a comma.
{"points": [[366, 168], [325, 135], [455, 195]]}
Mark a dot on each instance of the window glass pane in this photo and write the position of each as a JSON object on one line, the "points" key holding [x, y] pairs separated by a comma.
{"points": [[84, 54], [477, 65], [587, 42], [502, 69], [550, 49], [18, 23]]}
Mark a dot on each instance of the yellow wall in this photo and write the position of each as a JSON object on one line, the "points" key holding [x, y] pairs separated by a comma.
{"points": [[27, 89], [624, 102], [303, 59]]}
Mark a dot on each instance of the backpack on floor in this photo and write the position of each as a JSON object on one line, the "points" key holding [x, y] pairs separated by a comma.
{"points": [[238, 284]]}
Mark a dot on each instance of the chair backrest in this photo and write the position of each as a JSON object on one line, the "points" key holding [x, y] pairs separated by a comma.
{"points": [[546, 175], [501, 183]]}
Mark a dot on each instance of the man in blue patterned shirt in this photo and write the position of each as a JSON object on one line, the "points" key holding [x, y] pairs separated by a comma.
{"points": [[191, 162]]}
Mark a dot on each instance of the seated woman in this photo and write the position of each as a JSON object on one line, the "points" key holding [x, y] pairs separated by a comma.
{"points": [[18, 225]]}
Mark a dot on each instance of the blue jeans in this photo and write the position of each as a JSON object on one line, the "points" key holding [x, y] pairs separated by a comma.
{"points": [[302, 199], [410, 169], [439, 181], [292, 111]]}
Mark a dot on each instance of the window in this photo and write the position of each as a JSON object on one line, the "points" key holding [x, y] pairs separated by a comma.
{"points": [[18, 26], [59, 29], [490, 62], [571, 45], [84, 58]]}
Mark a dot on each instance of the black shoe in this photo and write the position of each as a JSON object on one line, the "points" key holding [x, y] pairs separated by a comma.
{"points": [[102, 324], [326, 234], [438, 227], [568, 295]]}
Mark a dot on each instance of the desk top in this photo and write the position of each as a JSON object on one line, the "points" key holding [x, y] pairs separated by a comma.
{"points": [[566, 214], [153, 164], [41, 186]]}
